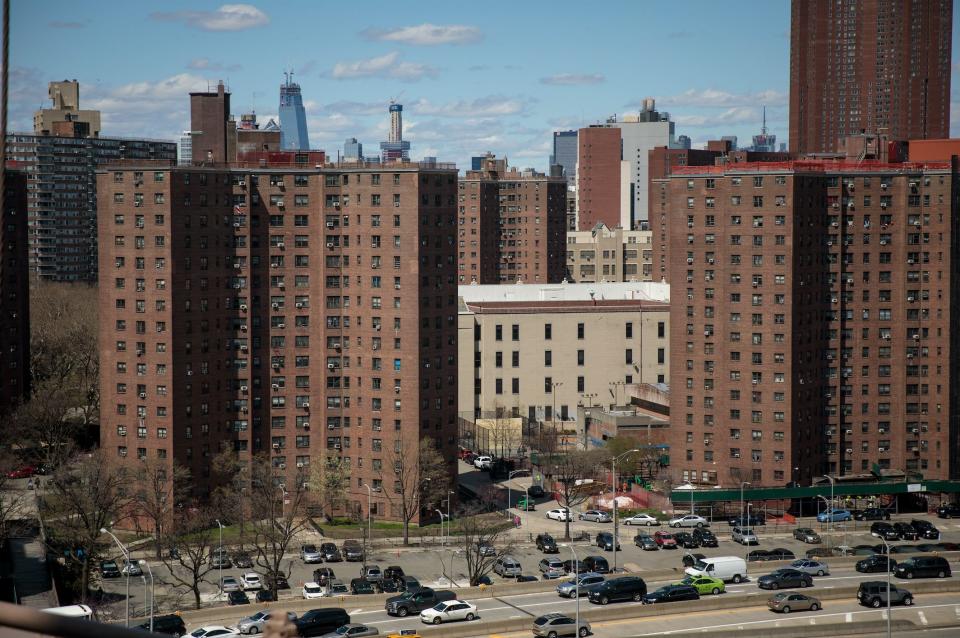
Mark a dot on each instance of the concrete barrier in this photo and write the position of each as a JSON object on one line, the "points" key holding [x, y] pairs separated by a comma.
{"points": [[809, 631]]}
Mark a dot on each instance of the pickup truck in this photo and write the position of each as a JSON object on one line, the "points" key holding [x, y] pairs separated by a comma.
{"points": [[417, 601]]}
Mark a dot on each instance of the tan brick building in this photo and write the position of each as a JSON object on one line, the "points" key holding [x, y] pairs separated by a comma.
{"points": [[294, 311], [813, 303], [609, 254]]}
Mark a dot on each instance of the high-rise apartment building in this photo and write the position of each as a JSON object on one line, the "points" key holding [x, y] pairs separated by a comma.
{"points": [[14, 302], [66, 115], [511, 225], [293, 117], [876, 65], [395, 148], [301, 313], [598, 177], [813, 303], [564, 154], [185, 149], [609, 254]]}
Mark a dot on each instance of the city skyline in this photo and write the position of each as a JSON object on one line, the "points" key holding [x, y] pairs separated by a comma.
{"points": [[437, 61]]}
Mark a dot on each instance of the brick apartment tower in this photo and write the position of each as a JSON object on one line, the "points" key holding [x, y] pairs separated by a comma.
{"points": [[813, 304], [298, 312], [598, 177], [876, 65], [14, 302], [512, 225]]}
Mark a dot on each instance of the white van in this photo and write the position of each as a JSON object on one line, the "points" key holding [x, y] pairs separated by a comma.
{"points": [[727, 568], [72, 611]]}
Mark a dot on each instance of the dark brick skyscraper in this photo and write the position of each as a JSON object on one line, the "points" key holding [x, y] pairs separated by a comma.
{"points": [[878, 65]]}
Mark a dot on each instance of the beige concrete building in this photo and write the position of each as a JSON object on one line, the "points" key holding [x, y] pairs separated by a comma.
{"points": [[609, 254], [539, 351], [66, 108]]}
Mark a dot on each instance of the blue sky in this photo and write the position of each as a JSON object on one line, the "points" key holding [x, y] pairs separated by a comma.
{"points": [[497, 76]]}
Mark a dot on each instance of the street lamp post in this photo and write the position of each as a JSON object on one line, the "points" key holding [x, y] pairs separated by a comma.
{"points": [[614, 462], [741, 499], [126, 558], [369, 524], [576, 580], [886, 548], [449, 495], [153, 595], [220, 556], [832, 505]]}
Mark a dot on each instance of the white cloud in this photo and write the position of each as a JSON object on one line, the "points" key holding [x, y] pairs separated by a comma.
{"points": [[736, 115], [426, 34], [229, 17], [489, 106], [573, 79], [205, 64], [718, 98], [384, 66]]}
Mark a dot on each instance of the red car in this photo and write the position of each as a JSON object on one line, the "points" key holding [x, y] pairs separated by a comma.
{"points": [[665, 539], [24, 472], [464, 453]]}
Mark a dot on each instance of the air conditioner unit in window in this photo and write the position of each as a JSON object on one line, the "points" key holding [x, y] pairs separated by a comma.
{"points": [[298, 305], [330, 366], [883, 185], [848, 432], [849, 450], [276, 306], [915, 431], [143, 395], [882, 430], [883, 242], [275, 386], [755, 382], [305, 405], [236, 224], [281, 325], [276, 446], [336, 345], [329, 244], [243, 327], [282, 466], [281, 245], [243, 307], [336, 446], [736, 455], [329, 224], [883, 205], [189, 373], [306, 425], [276, 366], [243, 348], [243, 388]]}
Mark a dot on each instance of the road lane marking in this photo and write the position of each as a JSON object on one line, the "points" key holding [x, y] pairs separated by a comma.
{"points": [[923, 618], [849, 616], [356, 611]]}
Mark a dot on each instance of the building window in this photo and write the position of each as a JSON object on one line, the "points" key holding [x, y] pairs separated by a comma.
{"points": [[547, 358], [548, 331], [580, 330]]}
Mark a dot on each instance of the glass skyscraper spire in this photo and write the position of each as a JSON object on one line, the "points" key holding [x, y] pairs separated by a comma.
{"points": [[293, 119]]}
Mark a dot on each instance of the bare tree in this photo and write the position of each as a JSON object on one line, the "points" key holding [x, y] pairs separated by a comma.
{"points": [[13, 501], [420, 477], [571, 474], [84, 496], [279, 514], [230, 496], [161, 486], [46, 424], [329, 481], [193, 539], [478, 530]]}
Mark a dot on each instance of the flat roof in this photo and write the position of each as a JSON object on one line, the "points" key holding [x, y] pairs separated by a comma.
{"points": [[566, 292], [813, 166], [558, 306]]}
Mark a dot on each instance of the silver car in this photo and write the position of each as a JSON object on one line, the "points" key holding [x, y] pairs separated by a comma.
{"points": [[690, 520], [596, 516], [569, 588], [744, 536], [254, 624], [555, 624], [229, 584], [810, 566], [552, 568], [352, 630]]}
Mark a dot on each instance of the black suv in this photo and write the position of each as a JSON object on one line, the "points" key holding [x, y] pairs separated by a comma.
{"points": [[686, 540], [704, 537], [323, 575], [925, 529], [923, 567], [747, 521], [951, 510], [905, 531], [616, 589], [875, 563], [546, 544], [884, 531], [317, 622], [872, 514], [873, 593], [605, 540], [330, 553], [109, 569], [170, 624], [596, 564]]}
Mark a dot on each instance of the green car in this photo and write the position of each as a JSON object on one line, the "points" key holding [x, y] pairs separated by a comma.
{"points": [[704, 584], [526, 504]]}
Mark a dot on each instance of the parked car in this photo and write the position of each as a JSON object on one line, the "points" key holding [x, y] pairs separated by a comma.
{"points": [[251, 581], [753, 520], [352, 550], [23, 472], [574, 587], [905, 531], [556, 625], [690, 520], [551, 568], [645, 542], [806, 535], [950, 510], [387, 586], [779, 553], [275, 581], [220, 560], [242, 560], [686, 540], [884, 531], [312, 590], [758, 555], [671, 594], [604, 540], [317, 622], [526, 504], [310, 554], [923, 567], [265, 596], [704, 537], [925, 529], [330, 553], [109, 569], [810, 566], [169, 624], [572, 566], [352, 630], [393, 572], [787, 602], [784, 578], [560, 514], [212, 631], [336, 588], [507, 567], [873, 593], [229, 584], [323, 575], [546, 544], [665, 540], [641, 519], [361, 586], [872, 514], [373, 573], [131, 568], [597, 564], [618, 589], [536, 491], [482, 462], [448, 611], [875, 563], [689, 560], [834, 515], [238, 598], [596, 516], [744, 536], [704, 584]]}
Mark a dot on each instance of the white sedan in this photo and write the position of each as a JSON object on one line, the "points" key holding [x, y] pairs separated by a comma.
{"points": [[560, 514], [251, 580], [213, 631], [641, 519], [448, 611], [311, 591], [482, 462], [690, 520]]}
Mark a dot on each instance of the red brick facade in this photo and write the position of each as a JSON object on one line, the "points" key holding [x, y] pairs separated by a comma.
{"points": [[598, 177]]}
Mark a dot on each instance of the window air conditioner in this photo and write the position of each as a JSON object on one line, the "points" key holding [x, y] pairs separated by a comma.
{"points": [[330, 366], [306, 405], [143, 395], [243, 307], [282, 466], [276, 446], [243, 388]]}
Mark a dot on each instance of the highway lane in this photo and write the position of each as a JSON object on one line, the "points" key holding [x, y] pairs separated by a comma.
{"points": [[930, 610], [534, 604]]}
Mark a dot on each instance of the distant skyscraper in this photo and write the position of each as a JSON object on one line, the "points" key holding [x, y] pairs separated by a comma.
{"points": [[877, 65], [732, 139], [352, 149], [683, 142], [476, 163], [765, 142], [395, 148], [565, 153], [293, 119], [185, 149]]}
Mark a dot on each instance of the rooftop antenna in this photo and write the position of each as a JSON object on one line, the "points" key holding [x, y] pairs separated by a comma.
{"points": [[763, 128]]}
